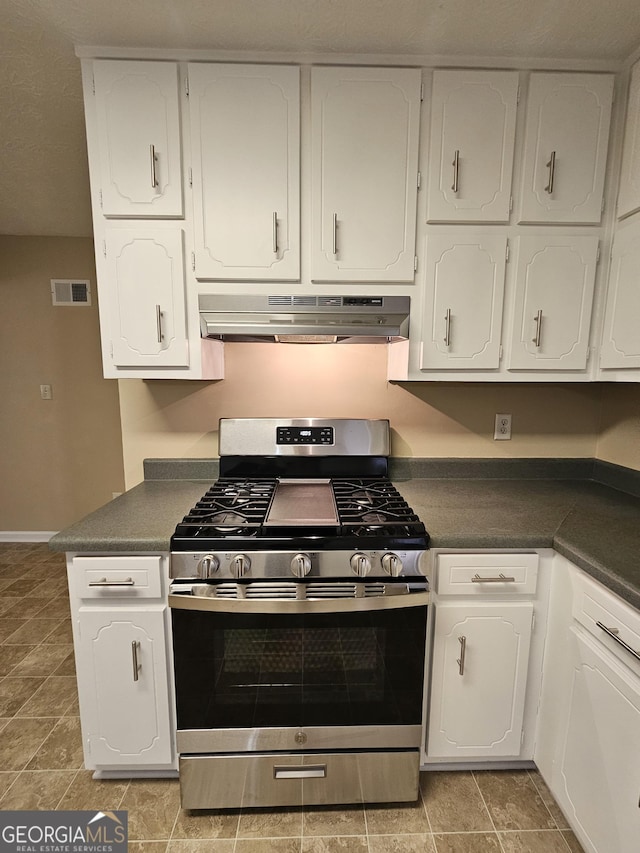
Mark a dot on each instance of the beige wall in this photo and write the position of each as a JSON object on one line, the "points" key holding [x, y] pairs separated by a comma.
{"points": [[176, 418], [61, 458], [619, 433]]}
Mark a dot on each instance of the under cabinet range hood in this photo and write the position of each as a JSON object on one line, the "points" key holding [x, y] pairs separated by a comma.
{"points": [[304, 319]]}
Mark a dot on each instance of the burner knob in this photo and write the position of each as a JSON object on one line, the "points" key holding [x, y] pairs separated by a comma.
{"points": [[301, 565], [361, 564], [392, 564], [208, 566], [240, 565]]}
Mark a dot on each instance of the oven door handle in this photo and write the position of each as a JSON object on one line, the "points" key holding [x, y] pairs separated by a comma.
{"points": [[181, 601]]}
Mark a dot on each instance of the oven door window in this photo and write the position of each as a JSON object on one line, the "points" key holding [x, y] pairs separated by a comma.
{"points": [[247, 671]]}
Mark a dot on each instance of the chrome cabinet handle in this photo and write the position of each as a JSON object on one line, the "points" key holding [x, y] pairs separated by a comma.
{"points": [[105, 582], [159, 324], [463, 651], [154, 177], [551, 166], [456, 170], [135, 644], [447, 328], [310, 771], [500, 579], [335, 234], [612, 633], [538, 335], [275, 232]]}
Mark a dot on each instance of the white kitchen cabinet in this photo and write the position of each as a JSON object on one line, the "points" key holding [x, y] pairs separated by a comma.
{"points": [[479, 677], [555, 280], [629, 192], [120, 632], [589, 738], [473, 122], [565, 148], [245, 140], [146, 296], [364, 150], [621, 332], [138, 132], [464, 290], [123, 677]]}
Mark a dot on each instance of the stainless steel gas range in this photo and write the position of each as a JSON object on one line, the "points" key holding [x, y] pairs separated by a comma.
{"points": [[299, 614]]}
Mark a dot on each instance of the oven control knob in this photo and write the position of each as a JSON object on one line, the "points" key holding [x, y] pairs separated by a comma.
{"points": [[208, 566], [392, 564], [301, 565], [361, 564], [240, 565]]}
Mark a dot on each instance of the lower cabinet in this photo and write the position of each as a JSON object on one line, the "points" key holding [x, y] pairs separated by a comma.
{"points": [[479, 678], [121, 641], [122, 660], [588, 745]]}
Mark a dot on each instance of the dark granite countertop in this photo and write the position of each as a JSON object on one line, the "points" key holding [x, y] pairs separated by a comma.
{"points": [[593, 525]]}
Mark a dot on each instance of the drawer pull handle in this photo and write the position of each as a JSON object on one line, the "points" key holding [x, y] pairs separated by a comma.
{"points": [[551, 166], [311, 771], [500, 579], [135, 645], [612, 633], [105, 582], [154, 160], [456, 170], [463, 652]]}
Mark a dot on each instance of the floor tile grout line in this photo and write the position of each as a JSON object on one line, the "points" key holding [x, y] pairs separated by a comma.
{"points": [[484, 802], [539, 792]]}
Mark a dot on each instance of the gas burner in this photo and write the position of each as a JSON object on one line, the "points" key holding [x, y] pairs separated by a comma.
{"points": [[375, 518], [227, 520]]}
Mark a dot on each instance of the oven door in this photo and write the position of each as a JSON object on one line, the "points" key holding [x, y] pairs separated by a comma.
{"points": [[267, 675]]}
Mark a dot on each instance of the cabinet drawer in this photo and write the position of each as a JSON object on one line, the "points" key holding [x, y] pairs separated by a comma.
{"points": [[486, 574], [118, 577], [598, 609]]}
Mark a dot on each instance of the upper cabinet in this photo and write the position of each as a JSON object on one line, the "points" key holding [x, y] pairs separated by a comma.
{"points": [[555, 278], [629, 194], [565, 154], [621, 334], [245, 142], [364, 149], [138, 127], [473, 122]]}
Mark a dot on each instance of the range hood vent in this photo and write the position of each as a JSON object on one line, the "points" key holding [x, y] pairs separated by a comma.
{"points": [[305, 319]]}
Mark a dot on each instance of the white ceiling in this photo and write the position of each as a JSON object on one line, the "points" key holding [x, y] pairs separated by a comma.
{"points": [[43, 171]]}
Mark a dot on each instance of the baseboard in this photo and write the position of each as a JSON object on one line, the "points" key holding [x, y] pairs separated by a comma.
{"points": [[26, 535]]}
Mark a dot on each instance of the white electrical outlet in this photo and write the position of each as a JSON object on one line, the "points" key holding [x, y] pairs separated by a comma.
{"points": [[502, 430], [46, 392]]}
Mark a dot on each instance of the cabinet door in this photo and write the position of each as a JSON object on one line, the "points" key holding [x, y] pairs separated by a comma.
{"points": [[555, 278], [629, 193], [479, 675], [138, 125], [123, 684], [621, 334], [147, 298], [566, 140], [473, 123], [599, 766], [365, 127], [464, 289], [245, 130]]}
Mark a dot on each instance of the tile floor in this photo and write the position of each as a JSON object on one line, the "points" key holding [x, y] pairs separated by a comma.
{"points": [[41, 762]]}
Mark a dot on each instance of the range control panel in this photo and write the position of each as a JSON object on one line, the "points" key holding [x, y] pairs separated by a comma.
{"points": [[304, 435]]}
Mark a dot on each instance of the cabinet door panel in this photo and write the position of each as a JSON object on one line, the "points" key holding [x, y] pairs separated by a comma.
{"points": [[464, 290], [123, 675], [138, 122], [629, 194], [471, 153], [245, 126], [566, 141], [365, 125], [478, 693], [555, 279], [621, 334], [599, 770], [146, 280]]}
